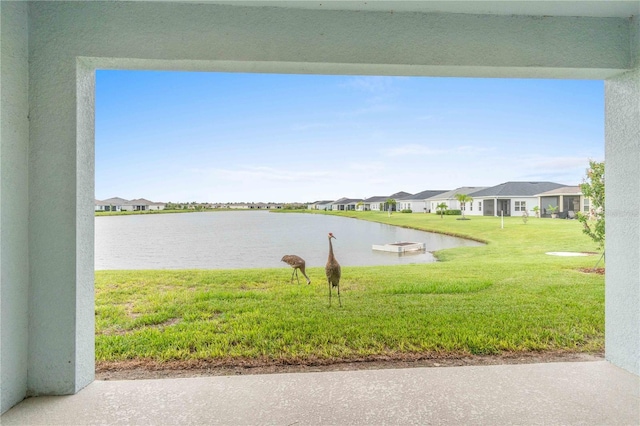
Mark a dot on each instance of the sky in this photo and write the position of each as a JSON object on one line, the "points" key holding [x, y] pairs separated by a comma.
{"points": [[240, 137]]}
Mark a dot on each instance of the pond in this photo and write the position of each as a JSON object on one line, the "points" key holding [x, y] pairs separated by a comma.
{"points": [[251, 239]]}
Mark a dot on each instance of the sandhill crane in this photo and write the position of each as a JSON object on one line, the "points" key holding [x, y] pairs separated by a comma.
{"points": [[333, 271], [296, 262]]}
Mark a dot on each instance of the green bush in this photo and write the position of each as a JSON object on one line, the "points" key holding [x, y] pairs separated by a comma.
{"points": [[453, 212], [406, 211]]}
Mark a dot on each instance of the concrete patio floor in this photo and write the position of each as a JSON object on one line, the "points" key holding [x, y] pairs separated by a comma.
{"points": [[567, 393]]}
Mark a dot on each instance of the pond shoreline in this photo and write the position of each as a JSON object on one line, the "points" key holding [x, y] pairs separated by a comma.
{"points": [[255, 239]]}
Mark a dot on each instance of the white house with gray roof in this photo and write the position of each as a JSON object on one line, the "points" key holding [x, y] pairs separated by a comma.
{"points": [[508, 199], [452, 203], [345, 204], [142, 204], [417, 203], [117, 204], [374, 203], [320, 205], [113, 204], [378, 202]]}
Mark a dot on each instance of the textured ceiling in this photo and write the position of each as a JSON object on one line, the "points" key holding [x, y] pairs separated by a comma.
{"points": [[621, 9]]}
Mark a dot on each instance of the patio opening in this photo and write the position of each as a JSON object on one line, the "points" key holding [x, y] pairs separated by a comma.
{"points": [[210, 142]]}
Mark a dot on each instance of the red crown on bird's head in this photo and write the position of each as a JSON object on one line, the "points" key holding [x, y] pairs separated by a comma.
{"points": [[331, 235]]}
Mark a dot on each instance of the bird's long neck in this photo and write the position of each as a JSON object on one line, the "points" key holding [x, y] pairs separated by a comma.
{"points": [[331, 256]]}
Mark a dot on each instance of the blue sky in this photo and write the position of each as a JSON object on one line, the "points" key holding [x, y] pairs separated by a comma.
{"points": [[218, 137]]}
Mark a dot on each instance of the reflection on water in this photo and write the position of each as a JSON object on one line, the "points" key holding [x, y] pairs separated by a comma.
{"points": [[251, 239]]}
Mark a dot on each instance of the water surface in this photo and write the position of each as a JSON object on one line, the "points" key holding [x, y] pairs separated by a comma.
{"points": [[251, 239]]}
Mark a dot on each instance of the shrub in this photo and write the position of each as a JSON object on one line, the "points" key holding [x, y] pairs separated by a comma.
{"points": [[453, 212], [406, 211]]}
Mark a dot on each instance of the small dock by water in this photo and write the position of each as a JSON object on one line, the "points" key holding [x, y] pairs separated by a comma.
{"points": [[400, 247]]}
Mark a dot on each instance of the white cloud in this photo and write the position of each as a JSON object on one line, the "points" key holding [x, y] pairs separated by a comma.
{"points": [[424, 150]]}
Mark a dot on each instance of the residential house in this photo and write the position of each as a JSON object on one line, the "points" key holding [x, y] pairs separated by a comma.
{"points": [[114, 204], [320, 205], [239, 206], [568, 199], [397, 197], [417, 203], [449, 199], [344, 204], [141, 204], [101, 206], [375, 203], [509, 198]]}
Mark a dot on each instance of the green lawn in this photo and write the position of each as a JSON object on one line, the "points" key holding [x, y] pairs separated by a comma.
{"points": [[143, 212], [507, 296]]}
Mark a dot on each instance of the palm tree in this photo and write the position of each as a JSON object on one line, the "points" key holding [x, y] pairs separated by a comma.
{"points": [[463, 199], [390, 203], [441, 208]]}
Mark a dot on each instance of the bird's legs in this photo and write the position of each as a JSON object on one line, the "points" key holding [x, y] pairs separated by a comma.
{"points": [[295, 272], [329, 294], [339, 301]]}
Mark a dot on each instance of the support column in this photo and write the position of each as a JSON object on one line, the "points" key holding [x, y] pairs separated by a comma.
{"points": [[622, 177], [61, 187]]}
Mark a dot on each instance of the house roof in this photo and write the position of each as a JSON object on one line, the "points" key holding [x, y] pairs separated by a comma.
{"points": [[565, 190], [400, 195], [451, 195], [425, 194], [345, 200], [383, 198], [377, 199], [115, 201], [323, 202], [139, 202], [517, 189]]}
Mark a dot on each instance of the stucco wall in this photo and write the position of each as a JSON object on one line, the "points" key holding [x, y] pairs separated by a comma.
{"points": [[622, 154], [14, 208]]}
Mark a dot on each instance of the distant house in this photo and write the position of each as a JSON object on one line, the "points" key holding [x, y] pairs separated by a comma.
{"points": [[509, 198], [345, 204], [101, 206], [452, 203], [320, 205], [397, 197], [157, 206], [374, 203], [569, 199], [378, 202], [110, 205], [239, 206], [417, 203], [142, 204]]}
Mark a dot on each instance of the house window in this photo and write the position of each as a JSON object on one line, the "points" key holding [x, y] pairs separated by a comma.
{"points": [[471, 206], [585, 206], [521, 206], [479, 206]]}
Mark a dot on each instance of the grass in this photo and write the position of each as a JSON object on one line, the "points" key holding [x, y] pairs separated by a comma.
{"points": [[143, 212], [507, 296]]}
